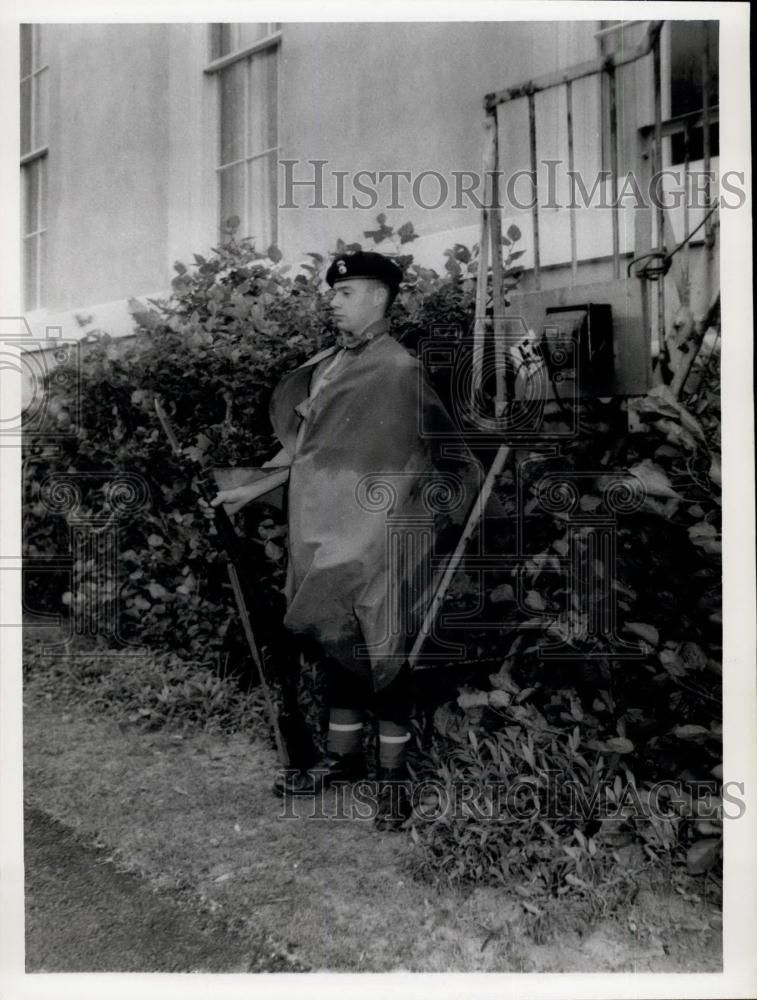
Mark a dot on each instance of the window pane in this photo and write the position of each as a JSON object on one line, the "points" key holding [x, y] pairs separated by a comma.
{"points": [[31, 196], [30, 272], [250, 32], [40, 53], [231, 183], [272, 66], [216, 40], [223, 39], [42, 268], [41, 165], [261, 182], [26, 116], [273, 196], [41, 105], [232, 112], [226, 38], [26, 49], [262, 101], [687, 42], [687, 53]]}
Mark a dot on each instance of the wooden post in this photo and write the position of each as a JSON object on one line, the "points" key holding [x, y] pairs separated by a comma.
{"points": [[657, 74], [479, 323], [571, 169], [686, 266], [498, 303], [535, 175], [614, 174]]}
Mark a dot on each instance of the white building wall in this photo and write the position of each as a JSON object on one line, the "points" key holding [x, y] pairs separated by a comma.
{"points": [[134, 130]]}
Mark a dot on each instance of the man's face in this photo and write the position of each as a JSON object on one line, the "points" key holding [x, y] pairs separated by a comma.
{"points": [[356, 304]]}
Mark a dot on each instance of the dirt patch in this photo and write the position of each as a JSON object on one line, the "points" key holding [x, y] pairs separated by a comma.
{"points": [[194, 816], [83, 914]]}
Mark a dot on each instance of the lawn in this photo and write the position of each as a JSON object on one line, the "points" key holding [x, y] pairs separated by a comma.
{"points": [[191, 812]]}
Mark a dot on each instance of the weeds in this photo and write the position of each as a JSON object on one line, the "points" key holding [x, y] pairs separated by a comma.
{"points": [[539, 812], [147, 690]]}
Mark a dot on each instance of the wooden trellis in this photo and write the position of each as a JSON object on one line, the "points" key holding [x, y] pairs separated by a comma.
{"points": [[653, 230]]}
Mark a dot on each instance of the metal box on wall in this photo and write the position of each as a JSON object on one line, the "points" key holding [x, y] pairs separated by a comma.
{"points": [[621, 356]]}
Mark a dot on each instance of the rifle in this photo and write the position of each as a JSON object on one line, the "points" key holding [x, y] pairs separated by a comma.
{"points": [[474, 517], [293, 742]]}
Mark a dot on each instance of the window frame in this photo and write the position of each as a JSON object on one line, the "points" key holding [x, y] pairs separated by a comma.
{"points": [[35, 158], [613, 30], [216, 64], [669, 157]]}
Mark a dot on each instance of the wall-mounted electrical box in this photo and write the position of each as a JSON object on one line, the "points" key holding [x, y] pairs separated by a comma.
{"points": [[593, 337], [588, 327]]}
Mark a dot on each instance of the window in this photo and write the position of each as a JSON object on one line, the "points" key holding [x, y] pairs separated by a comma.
{"points": [[688, 42], [687, 48], [34, 126], [244, 60]]}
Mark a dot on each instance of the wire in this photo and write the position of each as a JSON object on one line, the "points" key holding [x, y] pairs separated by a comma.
{"points": [[654, 270]]}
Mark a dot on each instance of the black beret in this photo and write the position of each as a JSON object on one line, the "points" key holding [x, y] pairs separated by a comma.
{"points": [[364, 264]]}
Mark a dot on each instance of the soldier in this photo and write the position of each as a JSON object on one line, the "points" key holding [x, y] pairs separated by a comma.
{"points": [[370, 487]]}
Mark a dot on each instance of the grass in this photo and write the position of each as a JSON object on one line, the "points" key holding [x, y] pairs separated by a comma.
{"points": [[189, 808], [145, 689]]}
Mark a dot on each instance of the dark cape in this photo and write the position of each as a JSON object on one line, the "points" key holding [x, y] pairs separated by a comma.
{"points": [[378, 472]]}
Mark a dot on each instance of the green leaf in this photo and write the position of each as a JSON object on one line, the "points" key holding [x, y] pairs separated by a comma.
{"points": [[672, 662], [677, 435], [383, 232], [534, 601], [692, 732], [654, 480], [407, 233], [702, 855], [502, 593], [693, 656], [647, 632], [706, 537], [499, 699], [472, 699], [589, 503], [619, 744]]}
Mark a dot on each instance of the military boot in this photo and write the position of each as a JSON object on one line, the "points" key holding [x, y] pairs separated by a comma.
{"points": [[332, 768]]}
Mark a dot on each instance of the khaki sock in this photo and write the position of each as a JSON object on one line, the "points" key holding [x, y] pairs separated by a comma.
{"points": [[345, 731], [393, 740]]}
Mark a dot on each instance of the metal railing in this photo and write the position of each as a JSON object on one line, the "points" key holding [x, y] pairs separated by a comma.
{"points": [[657, 241], [605, 66]]}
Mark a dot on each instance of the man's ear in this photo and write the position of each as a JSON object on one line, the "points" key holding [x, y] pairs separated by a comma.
{"points": [[380, 295]]}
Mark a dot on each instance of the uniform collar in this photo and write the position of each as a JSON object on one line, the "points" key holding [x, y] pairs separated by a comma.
{"points": [[370, 333], [377, 329]]}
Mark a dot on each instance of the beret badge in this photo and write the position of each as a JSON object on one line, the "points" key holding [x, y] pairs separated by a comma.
{"points": [[364, 264]]}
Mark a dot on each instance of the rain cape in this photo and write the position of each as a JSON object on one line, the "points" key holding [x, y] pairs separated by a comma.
{"points": [[378, 471]]}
